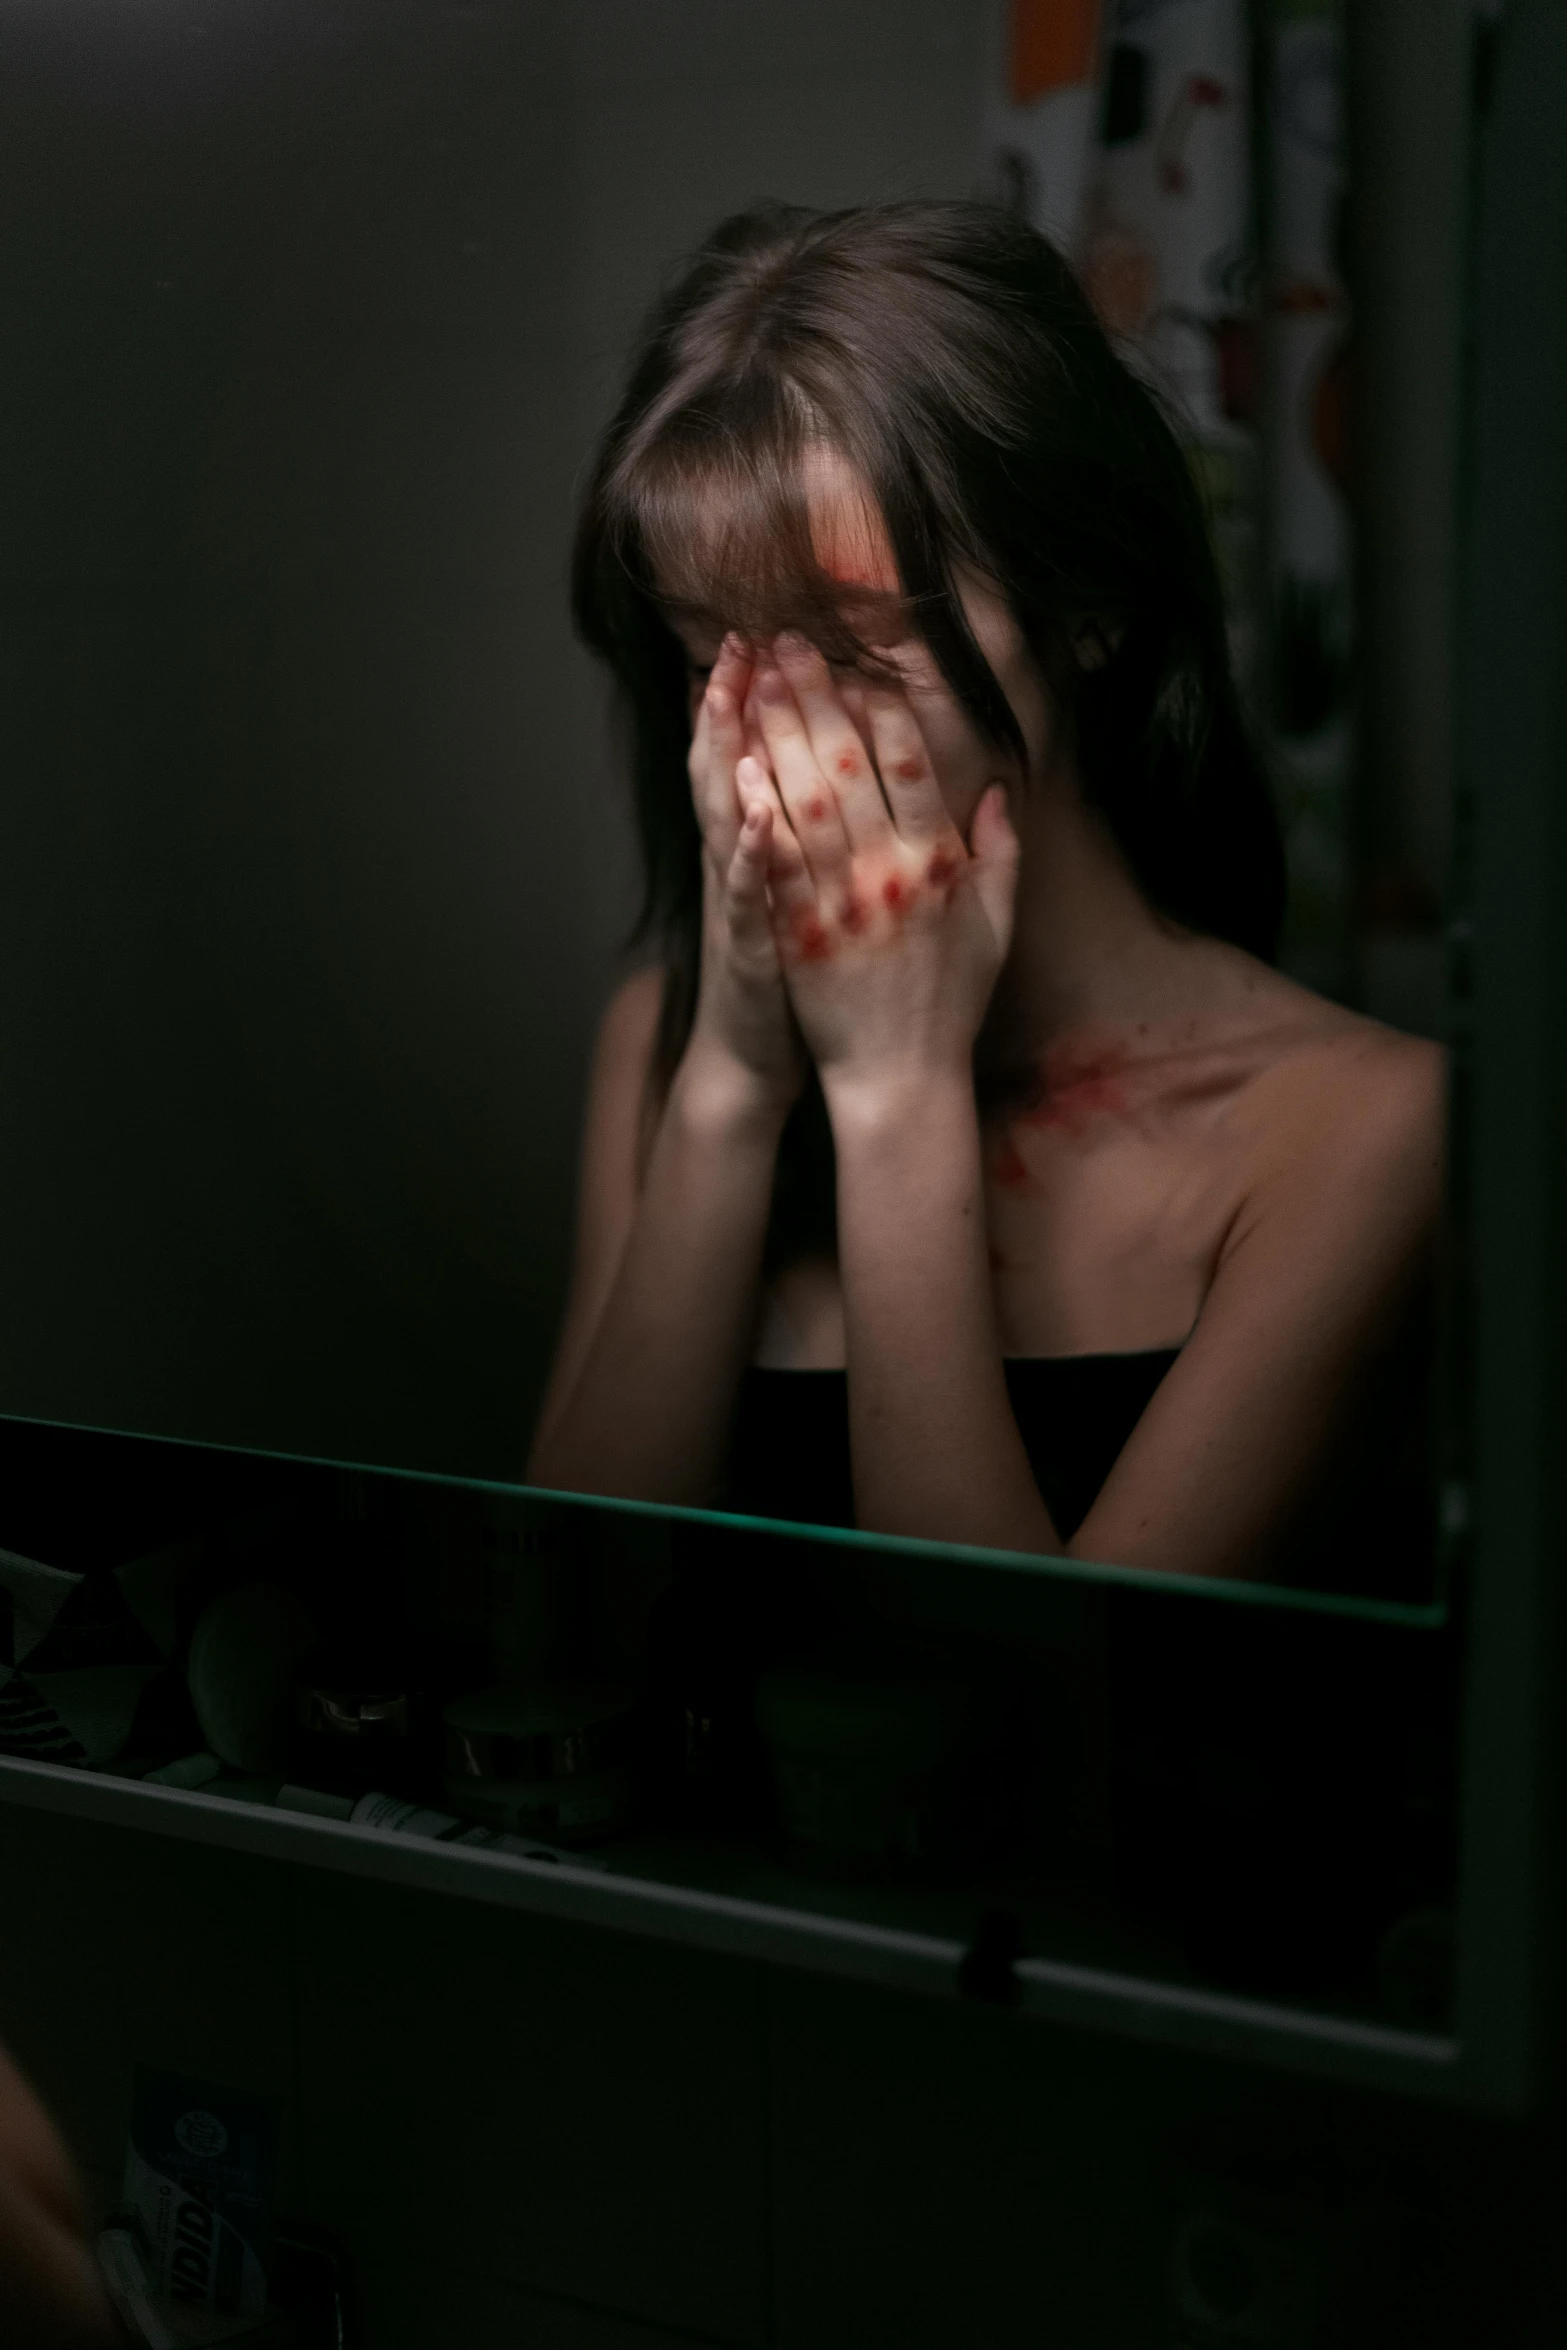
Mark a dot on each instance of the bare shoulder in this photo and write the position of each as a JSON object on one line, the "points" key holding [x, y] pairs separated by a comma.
{"points": [[1344, 1100]]}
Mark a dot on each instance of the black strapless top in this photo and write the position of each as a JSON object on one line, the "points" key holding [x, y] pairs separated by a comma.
{"points": [[790, 1457]]}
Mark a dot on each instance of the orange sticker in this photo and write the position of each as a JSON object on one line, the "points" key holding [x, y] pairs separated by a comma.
{"points": [[1053, 45]]}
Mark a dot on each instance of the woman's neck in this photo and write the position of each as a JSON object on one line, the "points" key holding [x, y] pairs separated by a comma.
{"points": [[1091, 961]]}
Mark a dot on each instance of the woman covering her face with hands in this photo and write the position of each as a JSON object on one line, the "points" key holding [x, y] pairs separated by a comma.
{"points": [[961, 1166]]}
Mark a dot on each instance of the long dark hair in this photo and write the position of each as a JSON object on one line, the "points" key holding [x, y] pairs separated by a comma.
{"points": [[947, 352]]}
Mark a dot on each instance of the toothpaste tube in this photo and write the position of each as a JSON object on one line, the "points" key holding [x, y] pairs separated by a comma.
{"points": [[199, 2173], [124, 2274], [389, 1815]]}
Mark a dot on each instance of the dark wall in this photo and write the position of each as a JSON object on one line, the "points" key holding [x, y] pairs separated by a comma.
{"points": [[312, 863]]}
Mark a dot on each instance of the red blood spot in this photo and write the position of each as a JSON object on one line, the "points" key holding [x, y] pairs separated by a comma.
{"points": [[1078, 1087], [811, 939], [1010, 1169], [942, 869], [855, 913], [895, 893], [848, 573], [908, 770], [848, 763], [816, 810]]}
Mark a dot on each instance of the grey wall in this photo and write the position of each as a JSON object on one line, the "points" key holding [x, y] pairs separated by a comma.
{"points": [[312, 866]]}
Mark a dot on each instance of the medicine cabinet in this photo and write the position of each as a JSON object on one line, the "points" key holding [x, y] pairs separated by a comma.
{"points": [[1258, 1821]]}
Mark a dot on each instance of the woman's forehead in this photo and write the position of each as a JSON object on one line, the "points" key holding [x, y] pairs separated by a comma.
{"points": [[848, 532], [722, 557]]}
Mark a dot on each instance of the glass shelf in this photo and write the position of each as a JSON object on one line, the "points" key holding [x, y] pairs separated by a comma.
{"points": [[734, 1900], [1140, 1889]]}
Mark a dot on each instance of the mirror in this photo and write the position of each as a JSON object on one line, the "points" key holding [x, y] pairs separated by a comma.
{"points": [[320, 865]]}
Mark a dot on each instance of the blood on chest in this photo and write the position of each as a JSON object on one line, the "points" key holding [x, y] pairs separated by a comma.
{"points": [[1097, 1098]]}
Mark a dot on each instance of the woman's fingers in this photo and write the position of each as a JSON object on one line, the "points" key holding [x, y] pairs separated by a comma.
{"points": [[789, 892], [716, 745], [717, 741], [785, 866], [919, 813], [809, 801], [993, 862], [732, 669], [749, 919], [840, 752]]}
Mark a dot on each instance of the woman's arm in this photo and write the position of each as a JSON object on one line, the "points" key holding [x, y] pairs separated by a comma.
{"points": [[935, 1447], [892, 928], [1325, 1274], [664, 1288]]}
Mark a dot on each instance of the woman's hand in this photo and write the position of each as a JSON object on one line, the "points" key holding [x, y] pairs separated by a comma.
{"points": [[51, 2295], [743, 1021], [891, 928]]}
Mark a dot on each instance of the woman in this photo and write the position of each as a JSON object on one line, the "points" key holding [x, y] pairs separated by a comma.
{"points": [[965, 883]]}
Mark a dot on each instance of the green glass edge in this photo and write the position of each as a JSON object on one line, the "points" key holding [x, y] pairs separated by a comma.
{"points": [[1427, 1617], [1430, 1616]]}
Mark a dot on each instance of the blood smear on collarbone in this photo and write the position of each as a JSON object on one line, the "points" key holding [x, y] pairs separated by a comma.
{"points": [[1077, 1088]]}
